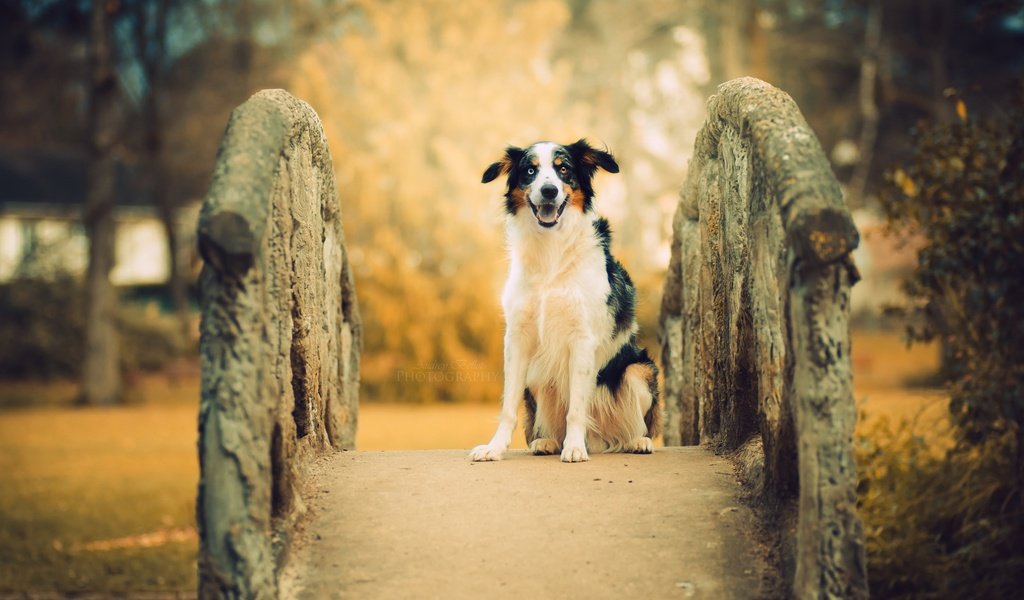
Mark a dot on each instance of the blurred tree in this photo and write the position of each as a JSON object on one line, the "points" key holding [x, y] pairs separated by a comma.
{"points": [[149, 29], [418, 99], [736, 41], [963, 191], [859, 78], [638, 72], [947, 524], [138, 83], [101, 377], [413, 118], [868, 106], [413, 95], [42, 58], [414, 111]]}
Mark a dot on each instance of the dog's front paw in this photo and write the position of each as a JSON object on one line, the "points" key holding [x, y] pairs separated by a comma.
{"points": [[544, 446], [573, 453], [486, 452], [640, 445]]}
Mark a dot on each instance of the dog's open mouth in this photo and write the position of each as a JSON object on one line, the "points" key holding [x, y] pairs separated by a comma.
{"points": [[547, 215]]}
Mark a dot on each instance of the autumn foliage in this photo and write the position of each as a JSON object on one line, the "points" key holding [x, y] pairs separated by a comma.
{"points": [[416, 102], [964, 192], [949, 524]]}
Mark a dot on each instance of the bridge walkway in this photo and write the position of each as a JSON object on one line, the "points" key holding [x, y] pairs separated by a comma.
{"points": [[432, 524]]}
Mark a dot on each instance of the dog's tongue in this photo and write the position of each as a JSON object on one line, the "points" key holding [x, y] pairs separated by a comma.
{"points": [[547, 213]]}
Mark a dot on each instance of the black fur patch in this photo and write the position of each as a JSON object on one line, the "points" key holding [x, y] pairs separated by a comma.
{"points": [[580, 158], [508, 164], [586, 160], [622, 295], [530, 416], [510, 204], [629, 354]]}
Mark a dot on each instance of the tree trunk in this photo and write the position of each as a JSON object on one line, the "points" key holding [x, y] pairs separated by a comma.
{"points": [[733, 46], [868, 107], [101, 377], [168, 211], [177, 281], [757, 44], [245, 48], [150, 46], [1019, 483]]}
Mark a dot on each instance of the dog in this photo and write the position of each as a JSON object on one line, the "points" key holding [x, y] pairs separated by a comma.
{"points": [[570, 325]]}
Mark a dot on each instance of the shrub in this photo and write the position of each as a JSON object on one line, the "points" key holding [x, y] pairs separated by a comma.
{"points": [[937, 523], [951, 525], [963, 192], [42, 332]]}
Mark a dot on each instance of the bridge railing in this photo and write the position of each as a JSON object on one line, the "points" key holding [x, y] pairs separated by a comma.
{"points": [[280, 339], [754, 328]]}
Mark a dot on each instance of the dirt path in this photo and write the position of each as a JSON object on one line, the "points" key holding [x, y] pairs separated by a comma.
{"points": [[431, 524]]}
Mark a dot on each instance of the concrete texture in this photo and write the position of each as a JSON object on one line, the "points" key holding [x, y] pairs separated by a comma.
{"points": [[280, 339], [755, 329], [432, 524]]}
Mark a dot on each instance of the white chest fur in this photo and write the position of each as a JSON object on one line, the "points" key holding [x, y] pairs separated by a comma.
{"points": [[555, 298]]}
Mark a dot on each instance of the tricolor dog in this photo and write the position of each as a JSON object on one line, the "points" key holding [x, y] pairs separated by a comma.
{"points": [[570, 329]]}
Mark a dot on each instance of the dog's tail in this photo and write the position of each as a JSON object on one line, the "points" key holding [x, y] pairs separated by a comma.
{"points": [[653, 417]]}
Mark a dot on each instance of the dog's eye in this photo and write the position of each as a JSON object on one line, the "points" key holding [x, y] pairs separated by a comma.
{"points": [[531, 171], [563, 170]]}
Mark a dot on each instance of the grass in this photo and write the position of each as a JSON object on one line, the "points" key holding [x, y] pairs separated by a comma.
{"points": [[885, 379], [102, 499], [71, 477]]}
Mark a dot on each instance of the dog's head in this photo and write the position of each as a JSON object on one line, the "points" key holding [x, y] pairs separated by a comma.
{"points": [[550, 178]]}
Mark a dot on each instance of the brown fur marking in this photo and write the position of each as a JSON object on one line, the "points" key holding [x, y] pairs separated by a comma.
{"points": [[518, 198], [575, 197]]}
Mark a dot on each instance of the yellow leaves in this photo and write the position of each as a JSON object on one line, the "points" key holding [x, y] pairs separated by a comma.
{"points": [[961, 109], [905, 183], [417, 99]]}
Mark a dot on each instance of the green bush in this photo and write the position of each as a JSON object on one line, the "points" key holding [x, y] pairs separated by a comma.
{"points": [[951, 525], [937, 523], [963, 193], [42, 332]]}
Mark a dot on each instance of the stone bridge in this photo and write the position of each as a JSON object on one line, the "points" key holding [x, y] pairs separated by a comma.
{"points": [[753, 496]]}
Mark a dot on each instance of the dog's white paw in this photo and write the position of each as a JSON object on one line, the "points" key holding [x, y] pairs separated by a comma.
{"points": [[486, 452], [544, 446], [574, 453], [640, 445]]}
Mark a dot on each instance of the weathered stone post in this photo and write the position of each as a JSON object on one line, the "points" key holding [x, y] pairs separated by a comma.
{"points": [[754, 326], [280, 339]]}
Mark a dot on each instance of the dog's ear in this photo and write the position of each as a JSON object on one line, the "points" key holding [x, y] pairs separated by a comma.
{"points": [[504, 166], [590, 158]]}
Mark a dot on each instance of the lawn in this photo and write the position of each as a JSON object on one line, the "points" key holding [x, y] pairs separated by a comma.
{"points": [[890, 380], [101, 499]]}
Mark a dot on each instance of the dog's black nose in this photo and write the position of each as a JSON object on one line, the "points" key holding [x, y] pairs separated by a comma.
{"points": [[548, 191]]}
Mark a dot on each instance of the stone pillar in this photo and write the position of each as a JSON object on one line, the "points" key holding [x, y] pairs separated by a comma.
{"points": [[280, 339], [754, 325]]}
